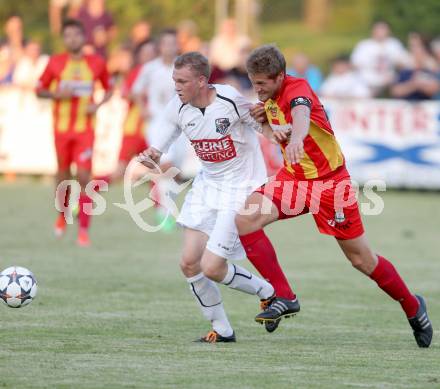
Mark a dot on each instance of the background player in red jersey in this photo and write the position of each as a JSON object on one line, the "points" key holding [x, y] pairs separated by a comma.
{"points": [[69, 80], [314, 171]]}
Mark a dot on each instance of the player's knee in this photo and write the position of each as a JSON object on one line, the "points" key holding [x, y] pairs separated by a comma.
{"points": [[247, 223], [363, 261], [189, 267], [211, 271]]}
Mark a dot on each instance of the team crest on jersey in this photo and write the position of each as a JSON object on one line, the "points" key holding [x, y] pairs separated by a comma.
{"points": [[339, 217], [222, 125], [273, 109]]}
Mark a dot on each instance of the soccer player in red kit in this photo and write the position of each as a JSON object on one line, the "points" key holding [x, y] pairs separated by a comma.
{"points": [[315, 177], [69, 80]]}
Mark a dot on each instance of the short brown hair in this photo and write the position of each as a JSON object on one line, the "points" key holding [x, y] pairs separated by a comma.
{"points": [[195, 61], [72, 23], [266, 59]]}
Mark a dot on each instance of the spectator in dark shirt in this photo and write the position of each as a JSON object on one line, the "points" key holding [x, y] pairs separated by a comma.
{"points": [[99, 26], [420, 80]]}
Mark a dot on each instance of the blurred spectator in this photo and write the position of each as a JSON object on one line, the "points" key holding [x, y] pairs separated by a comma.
{"points": [[119, 63], [155, 77], [99, 26], [419, 52], [140, 32], [225, 46], [11, 48], [30, 66], [6, 64], [302, 68], [435, 48], [217, 75], [344, 82], [377, 57], [419, 81], [238, 76], [187, 36], [14, 37], [56, 13]]}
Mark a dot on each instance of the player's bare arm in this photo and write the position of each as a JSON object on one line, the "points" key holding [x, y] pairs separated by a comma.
{"points": [[300, 129]]}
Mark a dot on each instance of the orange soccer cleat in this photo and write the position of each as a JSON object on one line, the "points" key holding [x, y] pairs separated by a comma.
{"points": [[60, 226], [83, 238]]}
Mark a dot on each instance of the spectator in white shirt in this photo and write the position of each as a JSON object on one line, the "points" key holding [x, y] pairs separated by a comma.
{"points": [[377, 57], [344, 82]]}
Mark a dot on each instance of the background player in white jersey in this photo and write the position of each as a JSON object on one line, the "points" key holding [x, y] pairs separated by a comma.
{"points": [[216, 119], [155, 81]]}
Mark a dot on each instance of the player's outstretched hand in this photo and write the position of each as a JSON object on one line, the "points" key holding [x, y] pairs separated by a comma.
{"points": [[258, 113], [295, 151], [150, 158]]}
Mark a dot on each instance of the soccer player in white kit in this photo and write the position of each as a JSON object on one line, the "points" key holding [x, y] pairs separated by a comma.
{"points": [[216, 119]]}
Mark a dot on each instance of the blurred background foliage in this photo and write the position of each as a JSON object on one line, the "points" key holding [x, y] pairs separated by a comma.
{"points": [[321, 28]]}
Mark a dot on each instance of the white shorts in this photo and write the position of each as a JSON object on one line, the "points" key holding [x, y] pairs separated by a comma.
{"points": [[218, 224]]}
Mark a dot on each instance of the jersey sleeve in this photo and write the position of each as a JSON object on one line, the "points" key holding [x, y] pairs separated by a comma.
{"points": [[299, 93], [103, 76], [166, 128], [243, 107], [47, 77]]}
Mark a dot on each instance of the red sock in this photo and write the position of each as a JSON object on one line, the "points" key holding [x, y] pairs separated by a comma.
{"points": [[388, 279], [262, 255], [105, 178], [83, 218]]}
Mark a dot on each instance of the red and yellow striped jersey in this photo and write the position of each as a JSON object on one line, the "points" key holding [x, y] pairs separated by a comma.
{"points": [[322, 153], [80, 75], [133, 123]]}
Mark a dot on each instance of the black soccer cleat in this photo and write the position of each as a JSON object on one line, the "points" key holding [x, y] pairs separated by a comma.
{"points": [[215, 337], [277, 308], [270, 326], [421, 325]]}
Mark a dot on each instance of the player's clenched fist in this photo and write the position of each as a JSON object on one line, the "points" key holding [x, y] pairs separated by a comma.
{"points": [[258, 113], [149, 158]]}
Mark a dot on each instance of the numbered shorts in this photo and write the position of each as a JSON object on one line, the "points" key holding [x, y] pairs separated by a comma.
{"points": [[331, 200], [74, 148]]}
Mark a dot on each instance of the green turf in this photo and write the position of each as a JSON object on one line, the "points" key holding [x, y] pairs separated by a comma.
{"points": [[120, 315]]}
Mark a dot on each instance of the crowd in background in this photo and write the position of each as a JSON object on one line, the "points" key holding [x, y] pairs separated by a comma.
{"points": [[378, 66]]}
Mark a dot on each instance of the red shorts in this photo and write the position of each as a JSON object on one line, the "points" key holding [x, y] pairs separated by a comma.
{"points": [[331, 200], [74, 147], [131, 146]]}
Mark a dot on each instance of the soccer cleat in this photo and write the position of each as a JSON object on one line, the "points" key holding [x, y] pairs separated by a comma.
{"points": [[83, 238], [421, 325], [278, 308], [60, 226], [215, 337], [270, 326]]}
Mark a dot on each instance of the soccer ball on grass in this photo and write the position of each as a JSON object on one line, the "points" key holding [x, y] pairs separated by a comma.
{"points": [[18, 287]]}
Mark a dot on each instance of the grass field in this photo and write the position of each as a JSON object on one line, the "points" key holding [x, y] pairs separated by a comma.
{"points": [[120, 315]]}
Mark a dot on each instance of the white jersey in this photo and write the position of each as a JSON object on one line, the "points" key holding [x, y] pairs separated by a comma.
{"points": [[223, 136]]}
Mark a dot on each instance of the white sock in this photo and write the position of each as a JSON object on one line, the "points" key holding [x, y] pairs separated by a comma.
{"points": [[209, 298], [243, 280]]}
